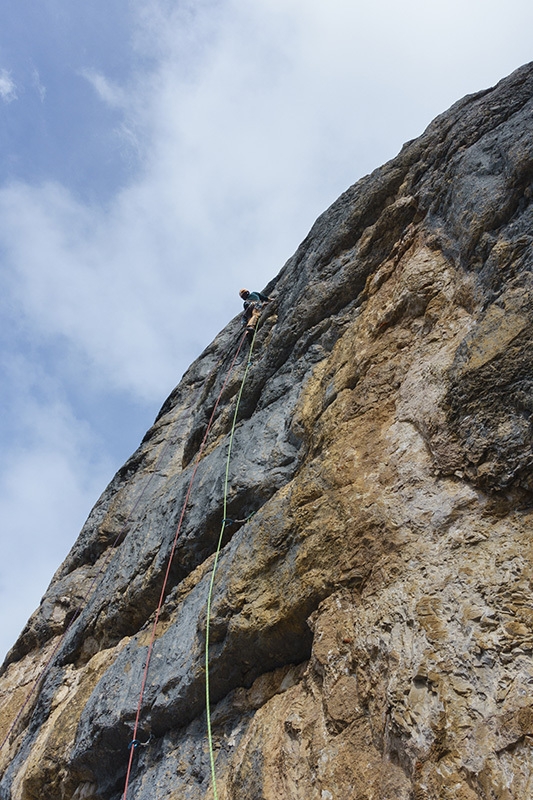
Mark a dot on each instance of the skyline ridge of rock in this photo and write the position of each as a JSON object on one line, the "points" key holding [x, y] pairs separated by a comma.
{"points": [[372, 622]]}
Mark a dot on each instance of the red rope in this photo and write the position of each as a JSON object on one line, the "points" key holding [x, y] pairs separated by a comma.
{"points": [[93, 586], [169, 564], [84, 601]]}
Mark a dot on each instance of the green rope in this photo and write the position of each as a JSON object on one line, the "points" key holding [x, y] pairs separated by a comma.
{"points": [[217, 553]]}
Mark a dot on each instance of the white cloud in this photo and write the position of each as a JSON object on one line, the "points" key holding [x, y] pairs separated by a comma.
{"points": [[249, 119], [107, 91], [49, 480], [253, 119], [37, 85], [8, 90]]}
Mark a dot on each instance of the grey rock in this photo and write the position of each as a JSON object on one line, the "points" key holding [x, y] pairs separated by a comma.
{"points": [[313, 538]]}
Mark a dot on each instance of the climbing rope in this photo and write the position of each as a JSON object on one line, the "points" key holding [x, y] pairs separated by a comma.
{"points": [[225, 521], [93, 587], [99, 577], [132, 747]]}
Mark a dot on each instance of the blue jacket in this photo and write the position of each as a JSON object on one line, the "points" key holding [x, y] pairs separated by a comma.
{"points": [[255, 297]]}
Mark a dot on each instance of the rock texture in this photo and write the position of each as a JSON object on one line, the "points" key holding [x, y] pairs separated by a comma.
{"points": [[372, 623]]}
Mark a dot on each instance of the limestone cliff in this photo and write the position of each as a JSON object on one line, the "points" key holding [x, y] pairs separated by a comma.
{"points": [[372, 623]]}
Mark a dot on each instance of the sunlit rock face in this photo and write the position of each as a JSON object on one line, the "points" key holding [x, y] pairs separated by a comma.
{"points": [[372, 622]]}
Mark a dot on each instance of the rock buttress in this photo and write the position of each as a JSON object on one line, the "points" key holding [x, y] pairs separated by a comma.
{"points": [[373, 620]]}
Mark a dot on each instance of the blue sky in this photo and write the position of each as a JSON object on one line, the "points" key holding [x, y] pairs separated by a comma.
{"points": [[154, 157], [59, 128]]}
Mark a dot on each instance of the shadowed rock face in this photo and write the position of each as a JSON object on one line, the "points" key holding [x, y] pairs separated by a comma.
{"points": [[372, 623]]}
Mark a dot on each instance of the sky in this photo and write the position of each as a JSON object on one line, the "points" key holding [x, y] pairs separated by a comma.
{"points": [[155, 157]]}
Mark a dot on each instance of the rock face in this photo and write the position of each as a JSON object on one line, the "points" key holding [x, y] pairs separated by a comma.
{"points": [[372, 623]]}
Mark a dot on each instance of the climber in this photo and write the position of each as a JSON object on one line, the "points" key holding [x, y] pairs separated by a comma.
{"points": [[253, 305]]}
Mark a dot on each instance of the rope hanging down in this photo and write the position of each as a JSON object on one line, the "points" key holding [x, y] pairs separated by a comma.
{"points": [[225, 521], [132, 747], [93, 587]]}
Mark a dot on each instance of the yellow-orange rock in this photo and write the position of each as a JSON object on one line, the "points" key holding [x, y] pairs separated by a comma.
{"points": [[372, 620]]}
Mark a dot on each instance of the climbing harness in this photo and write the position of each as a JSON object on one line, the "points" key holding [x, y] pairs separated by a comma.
{"points": [[131, 747], [225, 521]]}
